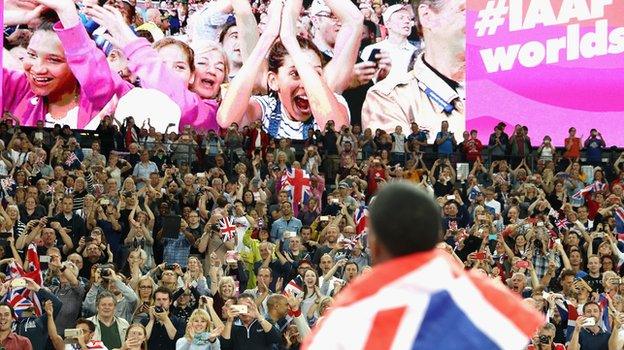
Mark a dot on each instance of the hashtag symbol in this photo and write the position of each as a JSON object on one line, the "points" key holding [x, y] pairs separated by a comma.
{"points": [[491, 17]]}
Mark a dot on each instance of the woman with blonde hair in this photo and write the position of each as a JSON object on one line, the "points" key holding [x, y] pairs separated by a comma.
{"points": [[226, 288], [199, 335], [144, 289]]}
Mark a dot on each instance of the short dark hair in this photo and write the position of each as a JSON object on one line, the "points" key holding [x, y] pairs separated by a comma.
{"points": [[10, 308], [89, 324], [164, 290], [229, 24], [565, 273], [590, 303], [404, 219], [245, 296], [357, 268]]}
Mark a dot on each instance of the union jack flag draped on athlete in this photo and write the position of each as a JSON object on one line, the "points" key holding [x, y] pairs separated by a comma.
{"points": [[297, 183], [21, 299], [413, 301]]}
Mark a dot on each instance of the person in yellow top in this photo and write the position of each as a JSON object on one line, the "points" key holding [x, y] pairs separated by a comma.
{"points": [[433, 90], [250, 256]]}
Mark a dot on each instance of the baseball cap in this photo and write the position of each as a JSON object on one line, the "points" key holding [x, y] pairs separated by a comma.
{"points": [[318, 6], [344, 184], [390, 11]]}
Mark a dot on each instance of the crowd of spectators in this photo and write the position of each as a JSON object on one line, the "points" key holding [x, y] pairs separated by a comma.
{"points": [[546, 228]]}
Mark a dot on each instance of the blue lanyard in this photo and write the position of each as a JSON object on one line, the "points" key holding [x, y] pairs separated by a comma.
{"points": [[447, 107]]}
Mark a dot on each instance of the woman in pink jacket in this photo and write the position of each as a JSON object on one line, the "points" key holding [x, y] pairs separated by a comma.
{"points": [[164, 67], [66, 79]]}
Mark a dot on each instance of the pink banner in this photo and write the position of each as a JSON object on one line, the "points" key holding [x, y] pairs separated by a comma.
{"points": [[548, 65]]}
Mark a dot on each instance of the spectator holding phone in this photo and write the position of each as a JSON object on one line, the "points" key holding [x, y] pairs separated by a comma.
{"points": [[106, 280], [587, 332], [434, 88], [247, 329], [398, 19], [163, 328]]}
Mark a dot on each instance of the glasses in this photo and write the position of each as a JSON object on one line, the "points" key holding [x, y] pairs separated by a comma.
{"points": [[145, 287], [328, 16]]}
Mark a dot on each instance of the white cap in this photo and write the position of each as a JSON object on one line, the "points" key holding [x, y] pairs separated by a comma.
{"points": [[390, 11], [318, 6]]}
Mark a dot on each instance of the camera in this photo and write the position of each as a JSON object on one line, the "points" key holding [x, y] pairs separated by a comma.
{"points": [[106, 272], [538, 244], [159, 309], [544, 339], [215, 227], [169, 266]]}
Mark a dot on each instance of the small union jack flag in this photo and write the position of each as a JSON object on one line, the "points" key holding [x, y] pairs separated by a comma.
{"points": [[595, 187], [348, 243], [71, 159], [228, 231], [562, 223], [359, 217], [452, 225], [295, 286], [297, 183], [7, 182]]}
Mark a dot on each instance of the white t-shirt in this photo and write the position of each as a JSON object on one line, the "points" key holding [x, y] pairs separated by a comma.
{"points": [[71, 119], [400, 54]]}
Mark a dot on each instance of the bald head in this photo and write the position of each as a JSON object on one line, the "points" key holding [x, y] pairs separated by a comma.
{"points": [[153, 15]]}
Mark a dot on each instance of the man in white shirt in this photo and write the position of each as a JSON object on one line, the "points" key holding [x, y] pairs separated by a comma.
{"points": [[399, 21], [398, 146]]}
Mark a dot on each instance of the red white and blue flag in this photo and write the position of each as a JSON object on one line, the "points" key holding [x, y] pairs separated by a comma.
{"points": [[228, 231], [618, 215], [297, 183], [595, 187], [71, 159], [295, 286], [22, 299], [425, 301], [359, 217], [562, 223]]}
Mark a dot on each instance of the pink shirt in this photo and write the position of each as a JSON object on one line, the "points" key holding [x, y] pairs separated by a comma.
{"points": [[199, 113], [89, 66]]}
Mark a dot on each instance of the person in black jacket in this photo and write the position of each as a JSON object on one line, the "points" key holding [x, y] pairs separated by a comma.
{"points": [[70, 220], [248, 331]]}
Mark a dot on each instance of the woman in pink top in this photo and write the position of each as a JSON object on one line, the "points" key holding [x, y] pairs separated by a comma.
{"points": [[63, 79], [160, 67]]}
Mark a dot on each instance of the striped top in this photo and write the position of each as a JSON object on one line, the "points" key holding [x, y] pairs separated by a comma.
{"points": [[277, 122]]}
